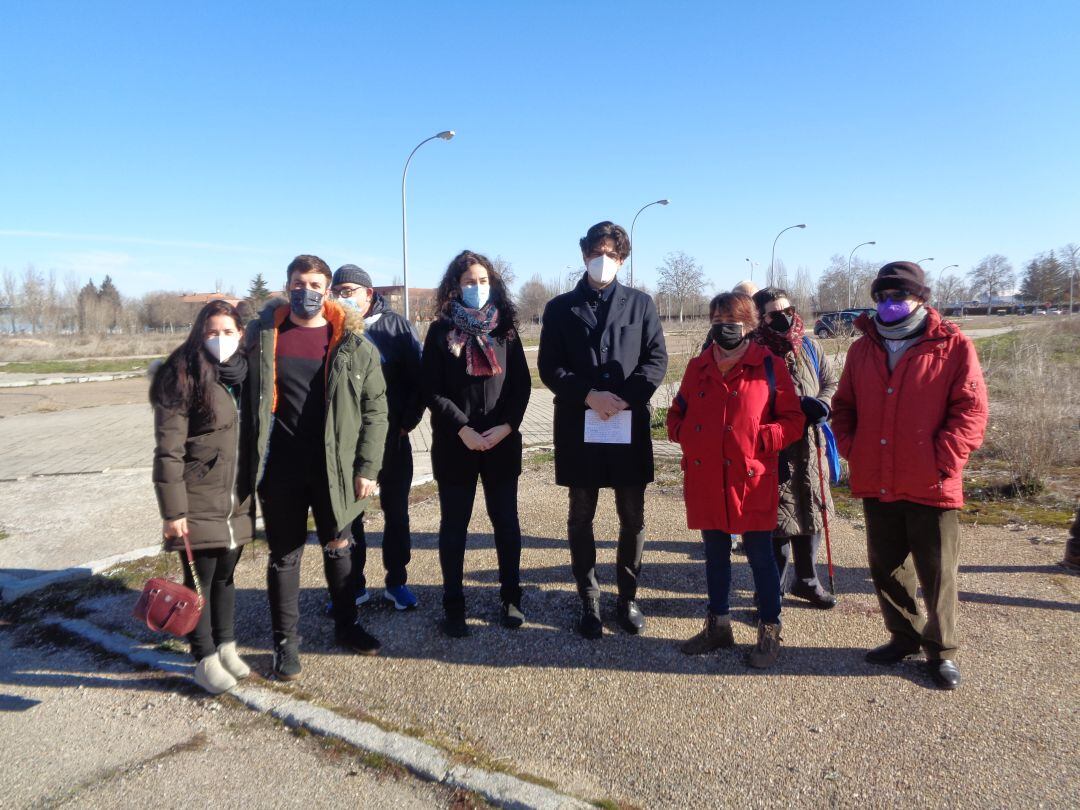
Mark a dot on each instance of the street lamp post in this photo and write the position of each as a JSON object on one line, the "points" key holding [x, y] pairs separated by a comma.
{"points": [[927, 259], [772, 259], [1072, 276], [751, 268], [632, 224], [446, 135], [861, 244]]}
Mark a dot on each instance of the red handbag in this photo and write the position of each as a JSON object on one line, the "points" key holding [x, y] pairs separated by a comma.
{"points": [[171, 607]]}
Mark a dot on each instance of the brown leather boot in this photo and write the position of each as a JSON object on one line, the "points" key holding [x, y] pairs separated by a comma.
{"points": [[713, 636], [767, 651]]}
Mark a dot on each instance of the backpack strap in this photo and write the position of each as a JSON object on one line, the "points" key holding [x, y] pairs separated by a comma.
{"points": [[811, 352], [770, 376]]}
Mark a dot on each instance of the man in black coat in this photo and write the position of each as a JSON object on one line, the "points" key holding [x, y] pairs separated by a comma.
{"points": [[602, 349], [399, 352]]}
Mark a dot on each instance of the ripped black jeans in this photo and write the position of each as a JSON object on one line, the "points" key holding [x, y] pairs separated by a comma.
{"points": [[285, 495]]}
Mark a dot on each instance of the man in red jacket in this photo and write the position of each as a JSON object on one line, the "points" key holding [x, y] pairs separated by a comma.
{"points": [[910, 409]]}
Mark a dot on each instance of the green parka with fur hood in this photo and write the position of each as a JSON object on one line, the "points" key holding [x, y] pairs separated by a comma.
{"points": [[355, 425]]}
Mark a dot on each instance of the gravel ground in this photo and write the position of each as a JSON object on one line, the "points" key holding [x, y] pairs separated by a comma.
{"points": [[634, 720], [80, 730]]}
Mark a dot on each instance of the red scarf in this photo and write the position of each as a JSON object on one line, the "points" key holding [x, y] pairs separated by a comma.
{"points": [[780, 343]]}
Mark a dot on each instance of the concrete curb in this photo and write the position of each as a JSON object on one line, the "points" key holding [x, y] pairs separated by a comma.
{"points": [[11, 588], [81, 378], [422, 759]]}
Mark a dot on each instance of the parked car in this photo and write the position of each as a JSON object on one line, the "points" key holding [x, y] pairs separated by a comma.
{"points": [[1039, 311], [835, 324], [1056, 311]]}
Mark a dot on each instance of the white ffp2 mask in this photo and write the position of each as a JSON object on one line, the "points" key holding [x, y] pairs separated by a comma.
{"points": [[602, 269], [222, 347]]}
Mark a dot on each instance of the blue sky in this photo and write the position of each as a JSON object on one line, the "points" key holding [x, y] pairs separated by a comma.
{"points": [[172, 144]]}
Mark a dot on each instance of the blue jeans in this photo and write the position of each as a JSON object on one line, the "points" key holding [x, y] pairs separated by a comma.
{"points": [[759, 551]]}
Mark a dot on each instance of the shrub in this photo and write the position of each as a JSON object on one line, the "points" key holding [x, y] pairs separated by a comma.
{"points": [[1034, 401]]}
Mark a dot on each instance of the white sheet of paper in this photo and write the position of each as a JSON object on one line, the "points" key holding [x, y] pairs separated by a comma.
{"points": [[615, 430]]}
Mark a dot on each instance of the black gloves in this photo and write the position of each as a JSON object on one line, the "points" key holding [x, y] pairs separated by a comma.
{"points": [[815, 410]]}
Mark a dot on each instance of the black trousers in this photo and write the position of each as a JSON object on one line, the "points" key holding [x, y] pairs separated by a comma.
{"points": [[630, 506], [795, 557], [293, 483], [456, 505], [395, 481], [215, 568], [908, 545]]}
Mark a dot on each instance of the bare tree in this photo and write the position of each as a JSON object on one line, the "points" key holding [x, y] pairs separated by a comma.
{"points": [[506, 270], [532, 299], [34, 300], [801, 292], [950, 291], [992, 275], [681, 277], [11, 296], [779, 275]]}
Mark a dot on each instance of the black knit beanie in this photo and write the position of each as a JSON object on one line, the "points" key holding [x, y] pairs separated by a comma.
{"points": [[351, 274], [906, 276]]}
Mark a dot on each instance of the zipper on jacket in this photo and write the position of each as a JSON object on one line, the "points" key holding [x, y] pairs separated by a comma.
{"points": [[236, 472]]}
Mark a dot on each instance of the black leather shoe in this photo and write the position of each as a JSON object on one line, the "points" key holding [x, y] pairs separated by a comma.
{"points": [[815, 595], [453, 623], [944, 673], [892, 653], [590, 625], [630, 617]]}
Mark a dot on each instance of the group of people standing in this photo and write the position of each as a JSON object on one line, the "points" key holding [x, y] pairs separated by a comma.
{"points": [[309, 408]]}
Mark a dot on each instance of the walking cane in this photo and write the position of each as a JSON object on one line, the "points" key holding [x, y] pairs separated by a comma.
{"points": [[824, 509]]}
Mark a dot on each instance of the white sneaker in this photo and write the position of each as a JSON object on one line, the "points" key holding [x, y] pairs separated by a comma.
{"points": [[231, 660], [212, 676]]}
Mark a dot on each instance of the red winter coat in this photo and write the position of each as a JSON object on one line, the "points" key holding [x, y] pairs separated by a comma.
{"points": [[907, 435], [731, 442]]}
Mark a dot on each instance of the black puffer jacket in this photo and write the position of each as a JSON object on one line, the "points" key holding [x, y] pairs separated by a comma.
{"points": [[197, 474], [399, 353]]}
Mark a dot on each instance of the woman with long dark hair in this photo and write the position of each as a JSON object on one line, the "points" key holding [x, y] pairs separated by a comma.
{"points": [[477, 385], [203, 493], [735, 411]]}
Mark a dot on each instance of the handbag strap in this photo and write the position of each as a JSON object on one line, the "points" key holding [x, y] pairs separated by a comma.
{"points": [[191, 567]]}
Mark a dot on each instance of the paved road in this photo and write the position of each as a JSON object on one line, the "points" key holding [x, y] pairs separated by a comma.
{"points": [[74, 481]]}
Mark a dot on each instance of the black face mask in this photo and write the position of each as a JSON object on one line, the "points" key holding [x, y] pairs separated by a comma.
{"points": [[305, 303], [780, 322], [727, 336]]}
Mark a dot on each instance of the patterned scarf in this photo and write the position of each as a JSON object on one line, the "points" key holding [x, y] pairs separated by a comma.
{"points": [[480, 351], [780, 343]]}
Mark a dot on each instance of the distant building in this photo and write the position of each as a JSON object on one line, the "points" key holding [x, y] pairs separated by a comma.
{"points": [[206, 298], [421, 301]]}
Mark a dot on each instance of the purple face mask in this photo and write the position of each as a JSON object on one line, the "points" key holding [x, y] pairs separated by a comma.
{"points": [[890, 311]]}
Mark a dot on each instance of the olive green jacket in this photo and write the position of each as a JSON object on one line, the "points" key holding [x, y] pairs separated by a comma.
{"points": [[355, 427], [800, 496]]}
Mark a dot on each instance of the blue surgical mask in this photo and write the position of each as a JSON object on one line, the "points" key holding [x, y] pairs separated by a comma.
{"points": [[305, 303], [352, 301], [475, 296]]}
